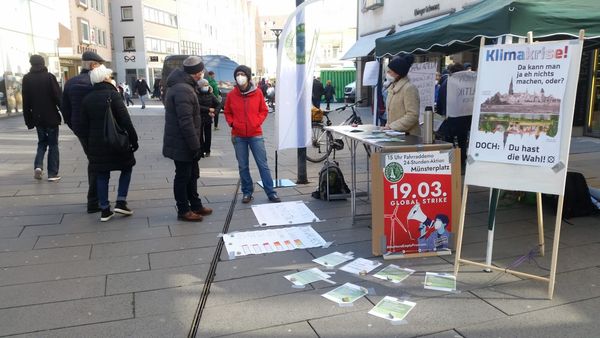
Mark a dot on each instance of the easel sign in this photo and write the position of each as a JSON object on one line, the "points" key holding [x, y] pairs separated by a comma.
{"points": [[521, 129]]}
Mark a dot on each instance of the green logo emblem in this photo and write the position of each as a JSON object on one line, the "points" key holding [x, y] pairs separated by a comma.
{"points": [[393, 172]]}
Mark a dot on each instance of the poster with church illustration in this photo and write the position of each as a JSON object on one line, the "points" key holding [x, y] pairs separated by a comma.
{"points": [[518, 105]]}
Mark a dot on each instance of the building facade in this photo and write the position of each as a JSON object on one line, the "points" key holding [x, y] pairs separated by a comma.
{"points": [[27, 27]]}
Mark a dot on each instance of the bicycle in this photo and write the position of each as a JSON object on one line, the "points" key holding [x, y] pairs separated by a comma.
{"points": [[322, 141]]}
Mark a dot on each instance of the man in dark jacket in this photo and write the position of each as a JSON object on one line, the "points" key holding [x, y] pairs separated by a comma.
{"points": [[182, 135], [74, 92], [317, 92], [142, 89], [41, 99]]}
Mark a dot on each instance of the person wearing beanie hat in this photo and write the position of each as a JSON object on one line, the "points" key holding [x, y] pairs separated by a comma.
{"points": [[245, 111], [102, 159], [75, 89], [402, 103], [182, 137], [208, 108], [41, 99]]}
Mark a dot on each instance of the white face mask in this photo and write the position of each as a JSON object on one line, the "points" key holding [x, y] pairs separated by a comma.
{"points": [[389, 78], [204, 89], [241, 80]]}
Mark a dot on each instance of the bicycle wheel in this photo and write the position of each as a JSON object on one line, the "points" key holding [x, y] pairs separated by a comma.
{"points": [[321, 144]]}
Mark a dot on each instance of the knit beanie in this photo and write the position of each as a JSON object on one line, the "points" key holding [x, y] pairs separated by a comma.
{"points": [[100, 74], [193, 64], [401, 64], [245, 69], [36, 60]]}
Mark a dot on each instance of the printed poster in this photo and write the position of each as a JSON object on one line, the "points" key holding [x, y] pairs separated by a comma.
{"points": [[285, 213], [518, 108], [422, 75], [417, 201], [461, 93]]}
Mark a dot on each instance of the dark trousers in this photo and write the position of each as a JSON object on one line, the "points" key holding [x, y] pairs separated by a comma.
{"points": [[216, 118], [316, 101], [207, 136], [92, 195], [185, 186]]}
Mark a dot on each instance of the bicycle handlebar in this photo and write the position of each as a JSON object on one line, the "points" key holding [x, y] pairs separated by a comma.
{"points": [[344, 107]]}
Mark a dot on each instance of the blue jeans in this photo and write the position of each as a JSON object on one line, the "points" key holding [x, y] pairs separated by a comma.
{"points": [[257, 146], [47, 138], [102, 178], [185, 186], [143, 99]]}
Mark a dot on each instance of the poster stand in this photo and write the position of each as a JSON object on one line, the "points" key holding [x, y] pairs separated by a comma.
{"points": [[558, 190]]}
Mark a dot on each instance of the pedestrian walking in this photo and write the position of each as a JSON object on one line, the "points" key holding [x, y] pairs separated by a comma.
{"points": [[127, 93], [329, 93], [208, 108], [102, 159], [41, 99], [317, 92], [74, 91], [402, 103], [217, 93], [245, 112], [156, 89], [182, 137], [141, 89]]}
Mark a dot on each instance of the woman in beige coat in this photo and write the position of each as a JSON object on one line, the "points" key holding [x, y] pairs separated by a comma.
{"points": [[403, 101]]}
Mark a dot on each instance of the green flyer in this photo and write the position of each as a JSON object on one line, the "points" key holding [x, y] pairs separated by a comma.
{"points": [[307, 276], [391, 308], [346, 293], [394, 273], [440, 281]]}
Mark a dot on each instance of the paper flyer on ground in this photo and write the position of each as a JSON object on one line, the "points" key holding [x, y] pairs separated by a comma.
{"points": [[440, 281], [360, 266], [391, 308], [346, 293], [285, 213], [393, 273], [333, 259], [272, 240], [307, 276], [417, 190], [519, 103]]}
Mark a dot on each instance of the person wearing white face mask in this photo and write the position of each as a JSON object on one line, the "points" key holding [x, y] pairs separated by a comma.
{"points": [[402, 104], [245, 112], [208, 106]]}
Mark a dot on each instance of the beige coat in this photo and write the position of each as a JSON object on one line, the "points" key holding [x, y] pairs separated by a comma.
{"points": [[403, 107]]}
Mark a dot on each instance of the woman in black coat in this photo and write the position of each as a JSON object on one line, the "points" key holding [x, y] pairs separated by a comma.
{"points": [[208, 107], [102, 159]]}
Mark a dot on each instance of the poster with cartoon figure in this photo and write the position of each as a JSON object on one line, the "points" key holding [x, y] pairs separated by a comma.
{"points": [[417, 201], [519, 103]]}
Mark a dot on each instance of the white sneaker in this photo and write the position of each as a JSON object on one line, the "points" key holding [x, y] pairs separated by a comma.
{"points": [[37, 173], [54, 178]]}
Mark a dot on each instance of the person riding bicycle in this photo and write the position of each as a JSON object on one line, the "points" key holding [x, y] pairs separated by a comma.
{"points": [[403, 100]]}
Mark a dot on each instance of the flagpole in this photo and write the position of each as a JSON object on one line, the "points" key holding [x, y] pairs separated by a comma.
{"points": [[300, 46]]}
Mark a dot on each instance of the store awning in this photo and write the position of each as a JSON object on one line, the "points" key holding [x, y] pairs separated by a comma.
{"points": [[364, 45], [462, 31]]}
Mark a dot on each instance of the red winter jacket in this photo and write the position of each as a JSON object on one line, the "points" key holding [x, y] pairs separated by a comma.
{"points": [[245, 112]]}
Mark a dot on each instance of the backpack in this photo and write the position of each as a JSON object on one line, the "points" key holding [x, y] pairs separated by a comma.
{"points": [[578, 201], [337, 184]]}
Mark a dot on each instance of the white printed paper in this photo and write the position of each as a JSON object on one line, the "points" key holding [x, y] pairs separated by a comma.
{"points": [[285, 213], [360, 266], [332, 259], [422, 75], [272, 240]]}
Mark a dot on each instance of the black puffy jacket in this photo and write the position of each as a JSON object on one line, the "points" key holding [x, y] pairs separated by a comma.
{"points": [[183, 125], [93, 110], [74, 92], [41, 98]]}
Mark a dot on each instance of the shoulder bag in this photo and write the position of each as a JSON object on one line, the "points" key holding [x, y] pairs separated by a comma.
{"points": [[116, 138]]}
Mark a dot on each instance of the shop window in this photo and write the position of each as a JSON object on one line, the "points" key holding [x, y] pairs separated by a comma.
{"points": [[83, 3], [129, 44], [126, 13]]}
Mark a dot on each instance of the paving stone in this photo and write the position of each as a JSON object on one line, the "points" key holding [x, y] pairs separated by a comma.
{"points": [[10, 232], [250, 288], [43, 256], [217, 321], [17, 244], [503, 248], [101, 237], [295, 330], [156, 279], [52, 291], [425, 318], [181, 228], [74, 269], [347, 235], [91, 224], [153, 245], [156, 302], [575, 235], [30, 220], [260, 264], [63, 314], [444, 334], [169, 259], [578, 319], [360, 249]]}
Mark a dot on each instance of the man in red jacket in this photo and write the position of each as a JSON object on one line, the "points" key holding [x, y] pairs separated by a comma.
{"points": [[245, 112]]}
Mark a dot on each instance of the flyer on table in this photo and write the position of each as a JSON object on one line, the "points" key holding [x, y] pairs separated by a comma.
{"points": [[518, 104], [417, 201]]}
